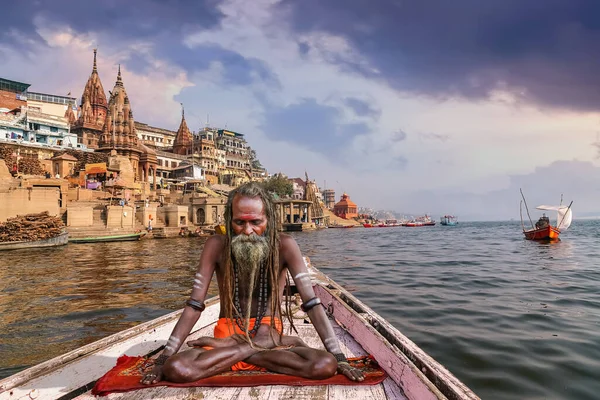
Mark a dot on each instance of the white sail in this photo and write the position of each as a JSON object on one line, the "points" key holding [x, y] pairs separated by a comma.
{"points": [[564, 218], [551, 208]]}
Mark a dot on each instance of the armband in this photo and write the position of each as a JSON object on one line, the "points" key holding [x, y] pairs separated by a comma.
{"points": [[196, 305], [310, 304]]}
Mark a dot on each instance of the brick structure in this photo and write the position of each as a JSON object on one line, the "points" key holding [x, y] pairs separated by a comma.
{"points": [[345, 208]]}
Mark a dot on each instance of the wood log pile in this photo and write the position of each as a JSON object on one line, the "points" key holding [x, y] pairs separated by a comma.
{"points": [[6, 153], [30, 166], [27, 166], [31, 227]]}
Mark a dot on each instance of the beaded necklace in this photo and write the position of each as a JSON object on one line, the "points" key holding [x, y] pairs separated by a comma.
{"points": [[262, 300]]}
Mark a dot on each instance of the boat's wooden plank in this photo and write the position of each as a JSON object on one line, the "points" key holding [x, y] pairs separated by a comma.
{"points": [[392, 390], [348, 344], [256, 392], [345, 392], [169, 393], [63, 374], [320, 392]]}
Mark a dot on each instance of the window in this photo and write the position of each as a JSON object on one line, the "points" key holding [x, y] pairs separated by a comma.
{"points": [[53, 129], [173, 164]]}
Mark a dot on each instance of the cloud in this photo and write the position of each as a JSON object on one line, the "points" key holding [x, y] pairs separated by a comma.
{"points": [[129, 21], [362, 108], [317, 127], [235, 68], [544, 53]]}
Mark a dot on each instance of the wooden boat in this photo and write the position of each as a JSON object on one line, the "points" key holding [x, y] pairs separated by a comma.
{"points": [[341, 226], [59, 240], [128, 237], [542, 229], [412, 373], [367, 225], [546, 233]]}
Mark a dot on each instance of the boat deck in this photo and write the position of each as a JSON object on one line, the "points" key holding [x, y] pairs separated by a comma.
{"points": [[388, 389]]}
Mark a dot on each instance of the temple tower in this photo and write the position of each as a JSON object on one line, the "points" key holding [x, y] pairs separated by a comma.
{"points": [[119, 129], [183, 140], [92, 114]]}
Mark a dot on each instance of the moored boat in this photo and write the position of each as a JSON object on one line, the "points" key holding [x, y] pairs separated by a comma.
{"points": [[59, 240], [127, 237], [411, 373]]}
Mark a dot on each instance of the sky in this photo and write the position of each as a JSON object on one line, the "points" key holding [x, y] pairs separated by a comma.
{"points": [[420, 107]]}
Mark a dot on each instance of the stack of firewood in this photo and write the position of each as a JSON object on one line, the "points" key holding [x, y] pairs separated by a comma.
{"points": [[27, 166], [30, 166], [31, 227], [6, 153]]}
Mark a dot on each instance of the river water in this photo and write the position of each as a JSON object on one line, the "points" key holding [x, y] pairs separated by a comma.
{"points": [[512, 319]]}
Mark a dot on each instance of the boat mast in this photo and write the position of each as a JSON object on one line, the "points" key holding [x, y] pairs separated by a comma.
{"points": [[527, 208]]}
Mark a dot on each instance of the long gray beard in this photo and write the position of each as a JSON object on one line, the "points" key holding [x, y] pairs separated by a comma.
{"points": [[250, 252]]}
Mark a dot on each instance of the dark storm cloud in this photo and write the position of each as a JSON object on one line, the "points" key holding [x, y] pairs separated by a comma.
{"points": [[311, 125], [362, 108], [132, 19], [118, 23], [547, 51]]}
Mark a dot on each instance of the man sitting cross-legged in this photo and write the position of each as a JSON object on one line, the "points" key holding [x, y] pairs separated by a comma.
{"points": [[251, 263]]}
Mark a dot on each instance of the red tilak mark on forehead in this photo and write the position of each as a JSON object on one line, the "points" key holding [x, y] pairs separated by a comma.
{"points": [[249, 217]]}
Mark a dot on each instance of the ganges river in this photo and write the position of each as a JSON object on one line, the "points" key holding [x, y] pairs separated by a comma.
{"points": [[512, 319]]}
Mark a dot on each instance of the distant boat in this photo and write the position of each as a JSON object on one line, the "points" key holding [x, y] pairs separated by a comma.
{"points": [[424, 220], [59, 240], [543, 229], [128, 237], [449, 220]]}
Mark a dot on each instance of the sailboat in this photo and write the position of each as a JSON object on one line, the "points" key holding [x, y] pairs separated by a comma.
{"points": [[543, 229]]}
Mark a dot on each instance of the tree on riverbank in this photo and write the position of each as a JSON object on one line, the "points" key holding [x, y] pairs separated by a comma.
{"points": [[279, 184]]}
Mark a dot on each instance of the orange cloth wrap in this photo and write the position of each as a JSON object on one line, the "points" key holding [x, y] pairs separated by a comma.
{"points": [[227, 327]]}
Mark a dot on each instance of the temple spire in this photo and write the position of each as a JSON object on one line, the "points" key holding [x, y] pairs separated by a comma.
{"points": [[119, 79], [95, 69]]}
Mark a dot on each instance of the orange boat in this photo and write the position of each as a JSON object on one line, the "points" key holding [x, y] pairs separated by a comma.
{"points": [[543, 230], [547, 233]]}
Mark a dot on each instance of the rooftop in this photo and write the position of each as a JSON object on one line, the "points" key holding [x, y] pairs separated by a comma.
{"points": [[13, 86], [50, 98], [145, 127]]}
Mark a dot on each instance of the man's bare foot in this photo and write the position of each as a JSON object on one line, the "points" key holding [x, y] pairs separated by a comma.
{"points": [[212, 342]]}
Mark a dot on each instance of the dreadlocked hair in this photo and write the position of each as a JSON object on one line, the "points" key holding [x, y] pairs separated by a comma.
{"points": [[273, 269]]}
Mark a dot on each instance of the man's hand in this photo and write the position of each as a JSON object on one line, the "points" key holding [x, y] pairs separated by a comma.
{"points": [[154, 376], [350, 372]]}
